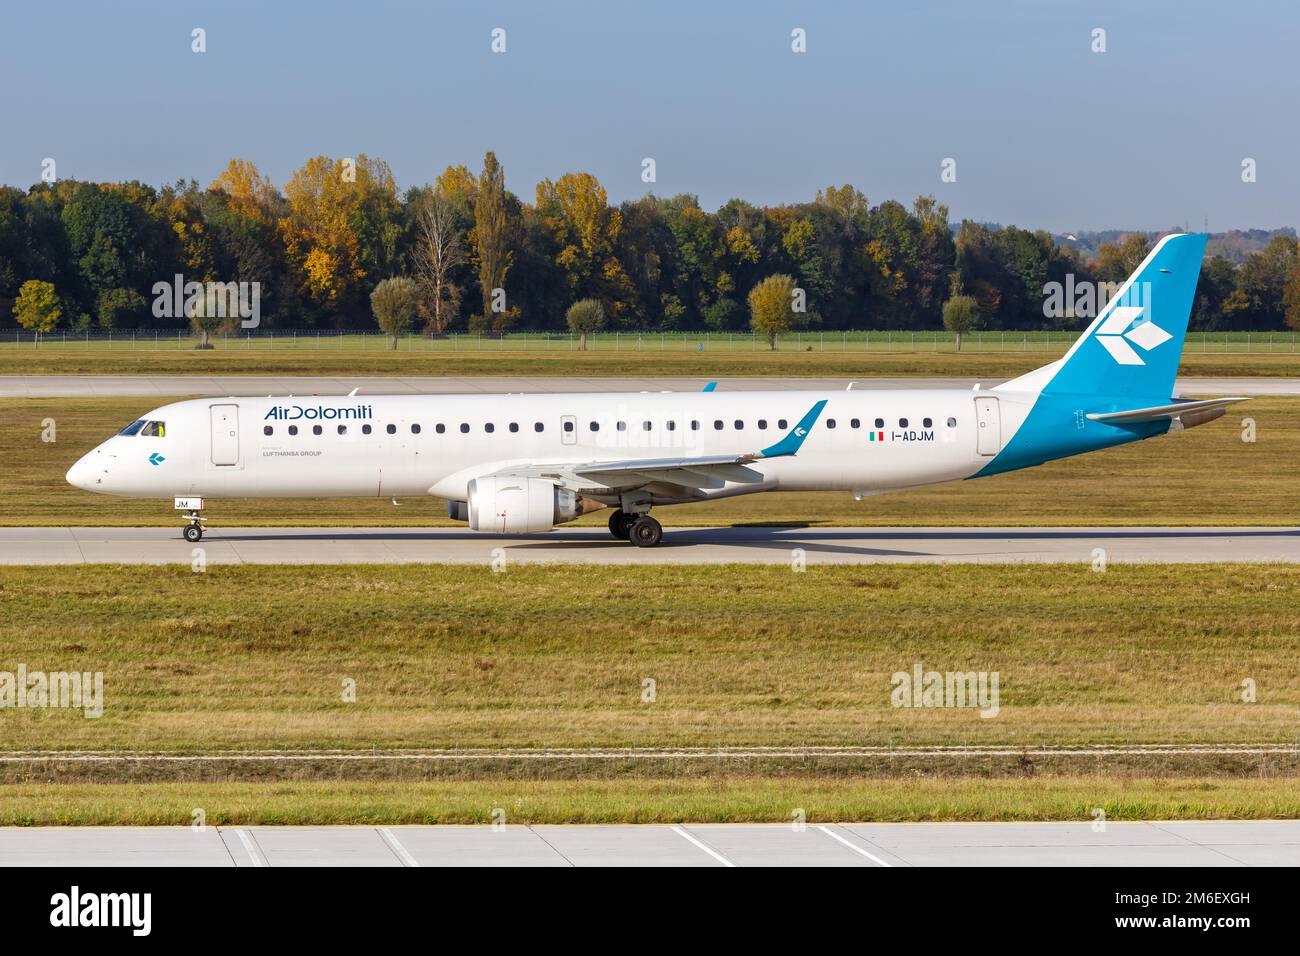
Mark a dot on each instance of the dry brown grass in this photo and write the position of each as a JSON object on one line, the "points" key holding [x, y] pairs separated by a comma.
{"points": [[255, 657]]}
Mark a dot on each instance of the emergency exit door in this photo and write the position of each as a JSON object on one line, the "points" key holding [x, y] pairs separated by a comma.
{"points": [[988, 421], [225, 434]]}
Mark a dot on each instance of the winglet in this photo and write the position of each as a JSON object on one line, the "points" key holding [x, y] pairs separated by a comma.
{"points": [[711, 386], [794, 439]]}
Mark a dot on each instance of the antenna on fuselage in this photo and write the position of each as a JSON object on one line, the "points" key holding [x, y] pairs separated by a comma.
{"points": [[354, 391]]}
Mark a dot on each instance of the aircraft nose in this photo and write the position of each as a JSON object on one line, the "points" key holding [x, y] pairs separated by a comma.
{"points": [[84, 474]]}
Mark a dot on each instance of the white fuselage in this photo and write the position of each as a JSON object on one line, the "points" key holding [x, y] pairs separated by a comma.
{"points": [[867, 441]]}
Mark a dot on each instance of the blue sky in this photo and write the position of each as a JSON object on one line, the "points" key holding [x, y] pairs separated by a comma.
{"points": [[1046, 133]]}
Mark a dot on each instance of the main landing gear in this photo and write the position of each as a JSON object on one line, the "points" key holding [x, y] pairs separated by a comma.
{"points": [[641, 529]]}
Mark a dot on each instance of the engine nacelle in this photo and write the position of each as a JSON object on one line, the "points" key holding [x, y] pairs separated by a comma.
{"points": [[521, 505]]}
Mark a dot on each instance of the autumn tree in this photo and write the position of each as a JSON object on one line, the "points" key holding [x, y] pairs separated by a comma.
{"points": [[1117, 261], [492, 241], [584, 317], [395, 302], [436, 255], [585, 229], [771, 307], [213, 310], [961, 312], [251, 193], [37, 307], [341, 226]]}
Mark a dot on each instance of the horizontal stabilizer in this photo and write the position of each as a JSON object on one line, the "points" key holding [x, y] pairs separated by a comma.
{"points": [[1156, 412]]}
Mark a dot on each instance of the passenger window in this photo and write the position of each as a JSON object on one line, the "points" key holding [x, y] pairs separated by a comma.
{"points": [[538, 427], [739, 424], [855, 423], [952, 423], [782, 424], [672, 426], [621, 426], [646, 426], [514, 426], [489, 427], [415, 429], [568, 426], [440, 428], [762, 424], [154, 430], [880, 423], [365, 429], [293, 429], [464, 428], [135, 427], [391, 429], [695, 425], [268, 430], [927, 422], [902, 423], [830, 423], [343, 429], [595, 426], [315, 429], [717, 424]]}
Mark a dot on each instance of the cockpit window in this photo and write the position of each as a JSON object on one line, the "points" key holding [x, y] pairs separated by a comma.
{"points": [[132, 428], [154, 430]]}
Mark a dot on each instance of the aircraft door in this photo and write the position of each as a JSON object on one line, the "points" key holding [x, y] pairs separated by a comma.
{"points": [[225, 434], [988, 421]]}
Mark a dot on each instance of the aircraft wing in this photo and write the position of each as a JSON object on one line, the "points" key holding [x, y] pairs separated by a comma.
{"points": [[680, 473], [1154, 413]]}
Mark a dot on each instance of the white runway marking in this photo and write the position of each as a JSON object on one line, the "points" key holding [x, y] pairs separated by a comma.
{"points": [[854, 847], [707, 849], [250, 848], [401, 851]]}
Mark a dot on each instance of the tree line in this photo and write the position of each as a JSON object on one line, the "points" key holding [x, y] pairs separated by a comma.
{"points": [[467, 253]]}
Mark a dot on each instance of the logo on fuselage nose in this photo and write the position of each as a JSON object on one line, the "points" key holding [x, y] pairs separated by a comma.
{"points": [[1122, 326], [156, 459]]}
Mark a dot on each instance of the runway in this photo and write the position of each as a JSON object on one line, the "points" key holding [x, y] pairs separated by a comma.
{"points": [[748, 545], [881, 845], [178, 386]]}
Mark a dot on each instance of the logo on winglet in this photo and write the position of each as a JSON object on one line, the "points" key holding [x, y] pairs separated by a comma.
{"points": [[1120, 329], [156, 459]]}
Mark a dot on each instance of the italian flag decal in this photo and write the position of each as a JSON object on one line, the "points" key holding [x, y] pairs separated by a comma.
{"points": [[876, 436]]}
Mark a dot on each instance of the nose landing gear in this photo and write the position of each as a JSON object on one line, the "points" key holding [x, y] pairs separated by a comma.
{"points": [[194, 530], [192, 507]]}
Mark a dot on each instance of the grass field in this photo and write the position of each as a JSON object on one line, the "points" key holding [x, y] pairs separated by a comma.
{"points": [[993, 366], [725, 800], [256, 657], [1204, 476]]}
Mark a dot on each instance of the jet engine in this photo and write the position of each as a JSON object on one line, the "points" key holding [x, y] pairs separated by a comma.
{"points": [[508, 505]]}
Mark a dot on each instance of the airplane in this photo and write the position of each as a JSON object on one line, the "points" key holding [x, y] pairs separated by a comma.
{"points": [[519, 464]]}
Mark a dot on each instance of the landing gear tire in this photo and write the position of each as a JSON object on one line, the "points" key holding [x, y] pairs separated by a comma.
{"points": [[646, 532], [193, 533], [620, 525]]}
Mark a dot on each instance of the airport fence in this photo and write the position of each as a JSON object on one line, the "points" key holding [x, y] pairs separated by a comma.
{"points": [[805, 341]]}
